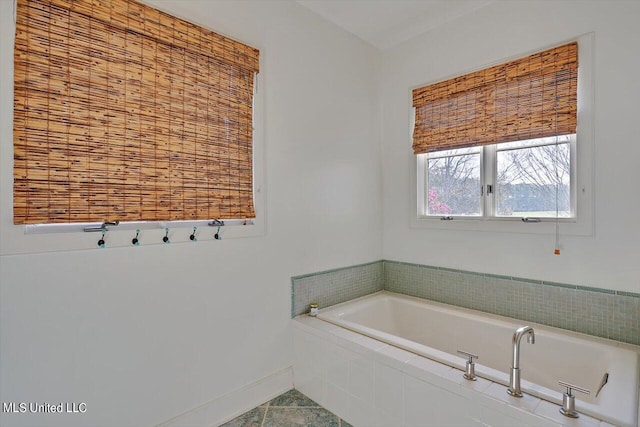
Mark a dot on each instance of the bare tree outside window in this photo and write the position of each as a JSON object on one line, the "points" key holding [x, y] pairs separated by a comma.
{"points": [[454, 185], [534, 181]]}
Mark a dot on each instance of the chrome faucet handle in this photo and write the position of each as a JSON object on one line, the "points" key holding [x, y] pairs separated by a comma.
{"points": [[471, 356], [569, 400], [573, 387], [470, 370]]}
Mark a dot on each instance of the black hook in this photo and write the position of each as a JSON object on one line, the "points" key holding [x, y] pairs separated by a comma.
{"points": [[101, 241], [135, 240], [192, 237], [217, 236], [166, 236]]}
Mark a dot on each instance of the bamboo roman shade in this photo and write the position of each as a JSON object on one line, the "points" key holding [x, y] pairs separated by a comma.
{"points": [[532, 97], [123, 112]]}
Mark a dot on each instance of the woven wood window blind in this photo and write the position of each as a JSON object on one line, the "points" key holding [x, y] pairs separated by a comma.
{"points": [[123, 112], [531, 97]]}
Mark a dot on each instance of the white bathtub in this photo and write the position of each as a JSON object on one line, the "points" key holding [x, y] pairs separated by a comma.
{"points": [[436, 331]]}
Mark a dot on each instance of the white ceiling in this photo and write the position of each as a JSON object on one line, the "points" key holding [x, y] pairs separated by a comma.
{"points": [[386, 23]]}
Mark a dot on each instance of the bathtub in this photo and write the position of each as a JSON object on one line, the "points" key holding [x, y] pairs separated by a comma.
{"points": [[437, 331]]}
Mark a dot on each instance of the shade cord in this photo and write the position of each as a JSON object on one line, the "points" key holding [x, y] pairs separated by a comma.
{"points": [[556, 251]]}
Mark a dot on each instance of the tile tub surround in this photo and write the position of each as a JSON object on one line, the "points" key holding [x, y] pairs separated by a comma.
{"points": [[335, 286], [374, 384], [291, 409], [599, 312]]}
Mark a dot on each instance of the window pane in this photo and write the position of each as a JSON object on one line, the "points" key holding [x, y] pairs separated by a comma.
{"points": [[528, 179], [454, 185]]}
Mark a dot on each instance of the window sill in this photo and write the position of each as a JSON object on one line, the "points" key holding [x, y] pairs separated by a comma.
{"points": [[70, 237], [130, 225], [572, 227]]}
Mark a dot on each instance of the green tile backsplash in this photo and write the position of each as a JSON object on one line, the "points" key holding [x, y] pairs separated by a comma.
{"points": [[600, 312], [335, 286]]}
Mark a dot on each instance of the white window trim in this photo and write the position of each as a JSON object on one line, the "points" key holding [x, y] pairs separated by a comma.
{"points": [[15, 239], [582, 224]]}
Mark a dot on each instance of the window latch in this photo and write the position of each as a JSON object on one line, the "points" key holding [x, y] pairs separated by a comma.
{"points": [[529, 219], [102, 227], [446, 218]]}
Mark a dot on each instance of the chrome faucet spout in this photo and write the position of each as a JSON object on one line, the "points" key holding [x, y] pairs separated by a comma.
{"points": [[514, 377]]}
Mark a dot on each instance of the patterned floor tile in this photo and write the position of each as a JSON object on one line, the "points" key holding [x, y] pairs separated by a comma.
{"points": [[290, 409], [300, 417], [253, 418], [293, 398]]}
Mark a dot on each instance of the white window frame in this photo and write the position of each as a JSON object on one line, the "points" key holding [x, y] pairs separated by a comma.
{"points": [[26, 239], [423, 185], [488, 155], [493, 150], [582, 179]]}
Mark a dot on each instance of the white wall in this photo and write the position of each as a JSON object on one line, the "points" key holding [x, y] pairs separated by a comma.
{"points": [[142, 334], [609, 257]]}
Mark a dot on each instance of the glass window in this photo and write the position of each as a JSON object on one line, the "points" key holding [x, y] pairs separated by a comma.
{"points": [[453, 183], [531, 178]]}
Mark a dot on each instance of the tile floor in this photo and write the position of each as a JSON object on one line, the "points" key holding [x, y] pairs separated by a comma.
{"points": [[291, 409]]}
